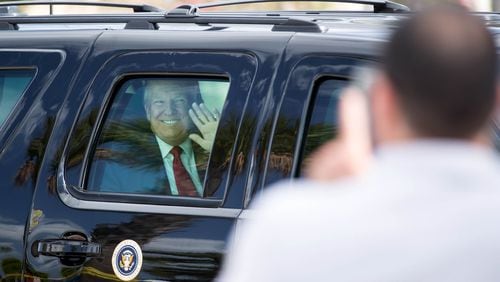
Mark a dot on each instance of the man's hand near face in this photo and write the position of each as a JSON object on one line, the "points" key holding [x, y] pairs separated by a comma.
{"points": [[206, 121], [351, 152]]}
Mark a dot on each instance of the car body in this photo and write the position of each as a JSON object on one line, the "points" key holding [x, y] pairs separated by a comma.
{"points": [[282, 74]]}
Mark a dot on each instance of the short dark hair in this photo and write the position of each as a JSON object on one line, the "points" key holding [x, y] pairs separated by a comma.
{"points": [[443, 66]]}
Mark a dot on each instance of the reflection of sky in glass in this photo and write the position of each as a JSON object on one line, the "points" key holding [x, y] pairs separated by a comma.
{"points": [[214, 93], [325, 107], [12, 85]]}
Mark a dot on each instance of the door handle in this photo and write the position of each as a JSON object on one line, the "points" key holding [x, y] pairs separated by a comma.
{"points": [[67, 248]]}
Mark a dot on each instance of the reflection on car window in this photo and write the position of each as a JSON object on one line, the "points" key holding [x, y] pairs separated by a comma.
{"points": [[13, 83], [323, 122], [158, 135]]}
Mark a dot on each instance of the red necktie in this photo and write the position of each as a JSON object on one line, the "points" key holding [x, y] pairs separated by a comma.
{"points": [[185, 185]]}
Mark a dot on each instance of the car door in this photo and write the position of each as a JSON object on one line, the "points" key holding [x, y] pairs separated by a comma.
{"points": [[27, 110], [308, 112], [85, 230]]}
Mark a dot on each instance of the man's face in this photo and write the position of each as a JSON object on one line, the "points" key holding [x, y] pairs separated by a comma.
{"points": [[167, 111]]}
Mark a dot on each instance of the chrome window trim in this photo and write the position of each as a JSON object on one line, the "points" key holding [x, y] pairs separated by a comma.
{"points": [[68, 199], [75, 203]]}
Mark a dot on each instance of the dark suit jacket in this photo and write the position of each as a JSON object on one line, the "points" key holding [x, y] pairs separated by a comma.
{"points": [[131, 162]]}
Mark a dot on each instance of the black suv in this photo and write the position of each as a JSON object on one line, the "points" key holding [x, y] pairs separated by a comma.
{"points": [[88, 135]]}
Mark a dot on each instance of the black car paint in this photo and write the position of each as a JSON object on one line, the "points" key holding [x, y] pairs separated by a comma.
{"points": [[40, 164]]}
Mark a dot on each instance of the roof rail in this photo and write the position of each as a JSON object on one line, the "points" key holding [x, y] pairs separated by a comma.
{"points": [[189, 13], [135, 7], [183, 11], [151, 21], [8, 26], [379, 6], [141, 24]]}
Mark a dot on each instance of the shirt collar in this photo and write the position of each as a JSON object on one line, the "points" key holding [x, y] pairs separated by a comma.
{"points": [[432, 153], [165, 148]]}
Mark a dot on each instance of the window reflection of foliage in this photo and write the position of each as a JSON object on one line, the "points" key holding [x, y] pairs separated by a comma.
{"points": [[132, 137], [284, 142], [77, 147], [133, 140], [12, 269], [37, 147], [35, 154], [228, 129], [283, 145], [316, 136], [80, 139]]}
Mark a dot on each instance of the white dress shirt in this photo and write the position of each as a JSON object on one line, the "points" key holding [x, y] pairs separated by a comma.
{"points": [[425, 211], [187, 159]]}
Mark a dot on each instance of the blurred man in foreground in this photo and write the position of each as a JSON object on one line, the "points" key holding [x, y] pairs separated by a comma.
{"points": [[428, 207]]}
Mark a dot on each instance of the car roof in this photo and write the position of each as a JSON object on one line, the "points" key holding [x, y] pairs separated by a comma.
{"points": [[192, 16], [375, 25]]}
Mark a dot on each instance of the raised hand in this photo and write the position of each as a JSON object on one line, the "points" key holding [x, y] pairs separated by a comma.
{"points": [[206, 121]]}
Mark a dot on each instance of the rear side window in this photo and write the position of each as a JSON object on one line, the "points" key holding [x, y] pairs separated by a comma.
{"points": [[13, 83], [158, 135], [323, 115]]}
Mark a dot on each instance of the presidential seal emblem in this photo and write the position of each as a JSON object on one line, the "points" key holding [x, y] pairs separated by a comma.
{"points": [[127, 260]]}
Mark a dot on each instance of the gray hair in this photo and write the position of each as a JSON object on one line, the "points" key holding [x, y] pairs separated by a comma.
{"points": [[187, 86]]}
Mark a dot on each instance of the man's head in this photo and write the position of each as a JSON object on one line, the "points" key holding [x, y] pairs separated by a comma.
{"points": [[440, 73], [167, 102]]}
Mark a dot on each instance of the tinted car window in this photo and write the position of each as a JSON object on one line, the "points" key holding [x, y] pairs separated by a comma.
{"points": [[12, 86], [157, 136], [323, 117]]}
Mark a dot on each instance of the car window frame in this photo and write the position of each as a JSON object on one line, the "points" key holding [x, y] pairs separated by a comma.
{"points": [[310, 112], [27, 71], [310, 69], [46, 64], [73, 194], [100, 127]]}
